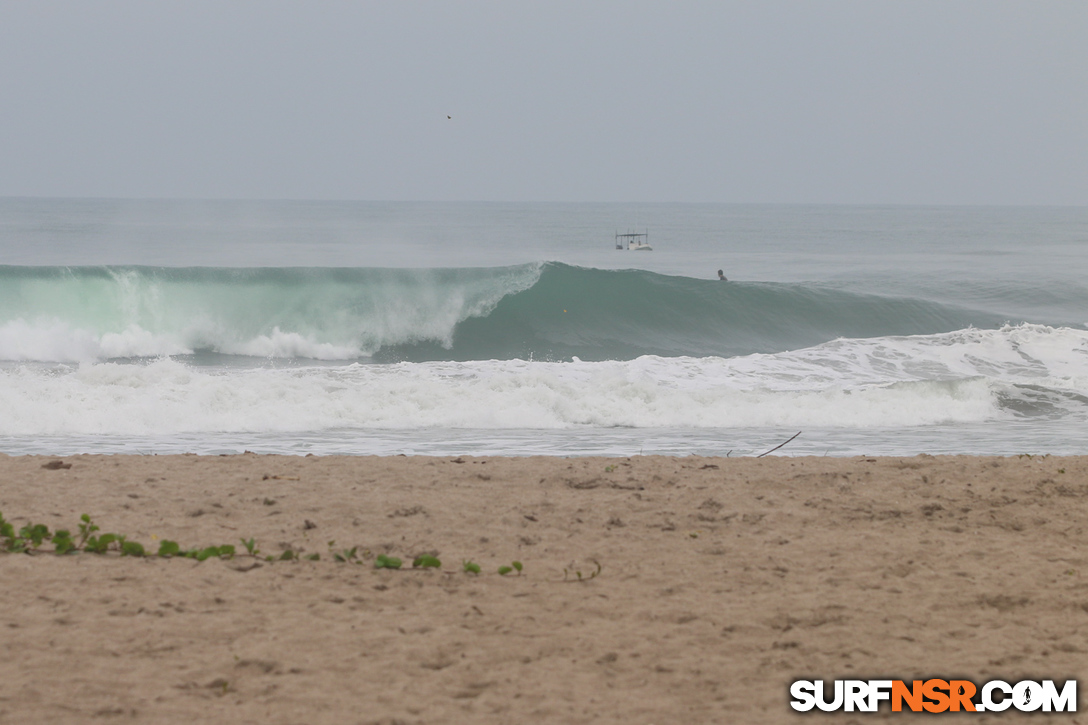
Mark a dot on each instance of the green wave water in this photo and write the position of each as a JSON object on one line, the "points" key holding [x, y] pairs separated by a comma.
{"points": [[597, 314], [547, 311]]}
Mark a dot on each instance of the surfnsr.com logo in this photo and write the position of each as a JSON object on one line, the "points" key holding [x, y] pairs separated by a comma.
{"points": [[934, 695]]}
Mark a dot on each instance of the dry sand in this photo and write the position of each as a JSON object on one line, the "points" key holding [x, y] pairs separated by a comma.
{"points": [[722, 580]]}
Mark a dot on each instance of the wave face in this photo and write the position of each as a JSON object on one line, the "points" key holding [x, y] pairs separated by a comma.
{"points": [[1022, 373], [535, 311]]}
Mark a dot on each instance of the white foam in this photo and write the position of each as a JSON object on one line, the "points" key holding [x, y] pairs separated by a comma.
{"points": [[56, 341], [963, 377], [280, 344]]}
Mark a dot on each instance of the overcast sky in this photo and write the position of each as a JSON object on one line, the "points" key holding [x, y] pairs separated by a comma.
{"points": [[816, 102]]}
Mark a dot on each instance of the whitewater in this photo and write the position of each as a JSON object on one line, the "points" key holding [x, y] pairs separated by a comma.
{"points": [[361, 328]]}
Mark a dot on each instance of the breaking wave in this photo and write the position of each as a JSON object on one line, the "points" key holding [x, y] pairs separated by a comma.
{"points": [[543, 311]]}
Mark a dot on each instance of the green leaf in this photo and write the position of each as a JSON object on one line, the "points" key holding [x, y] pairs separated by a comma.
{"points": [[226, 551], [62, 542], [63, 546], [516, 565], [471, 566], [132, 548], [169, 548], [387, 562], [207, 553], [426, 561], [86, 528], [288, 555], [100, 544], [35, 533], [314, 557], [504, 570]]}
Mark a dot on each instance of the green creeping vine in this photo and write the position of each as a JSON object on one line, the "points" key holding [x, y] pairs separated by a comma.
{"points": [[30, 538], [90, 540]]}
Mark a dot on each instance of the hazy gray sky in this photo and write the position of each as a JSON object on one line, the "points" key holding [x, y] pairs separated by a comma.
{"points": [[826, 102]]}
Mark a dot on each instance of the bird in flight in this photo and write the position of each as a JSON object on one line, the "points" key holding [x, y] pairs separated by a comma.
{"points": [[449, 116]]}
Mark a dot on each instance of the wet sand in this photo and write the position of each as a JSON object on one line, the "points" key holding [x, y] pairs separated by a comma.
{"points": [[721, 581]]}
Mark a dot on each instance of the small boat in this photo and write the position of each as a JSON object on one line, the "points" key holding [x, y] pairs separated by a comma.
{"points": [[634, 242]]}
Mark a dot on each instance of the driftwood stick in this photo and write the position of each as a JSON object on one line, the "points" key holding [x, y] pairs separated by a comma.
{"points": [[779, 445]]}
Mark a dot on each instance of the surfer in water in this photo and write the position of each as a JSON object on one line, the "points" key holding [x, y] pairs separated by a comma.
{"points": [[721, 276]]}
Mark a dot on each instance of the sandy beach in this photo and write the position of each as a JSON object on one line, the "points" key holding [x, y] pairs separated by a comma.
{"points": [[721, 581]]}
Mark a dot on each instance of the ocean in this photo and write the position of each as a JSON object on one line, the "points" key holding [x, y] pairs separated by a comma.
{"points": [[156, 326]]}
